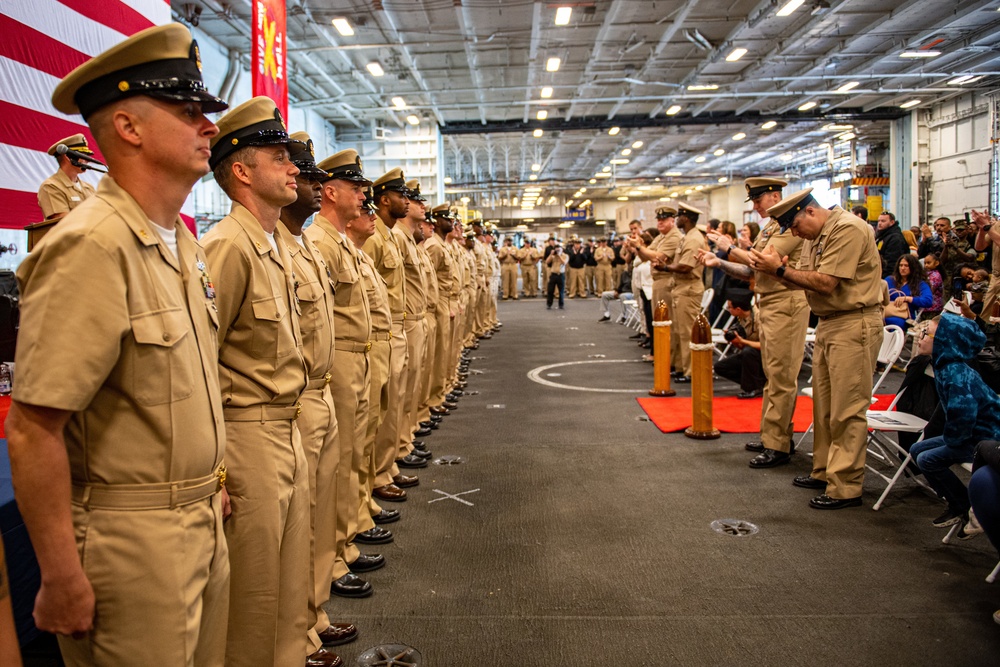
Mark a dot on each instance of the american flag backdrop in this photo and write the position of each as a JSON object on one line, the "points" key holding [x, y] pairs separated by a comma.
{"points": [[40, 42]]}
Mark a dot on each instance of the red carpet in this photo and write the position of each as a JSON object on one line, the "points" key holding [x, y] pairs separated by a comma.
{"points": [[4, 409], [732, 415]]}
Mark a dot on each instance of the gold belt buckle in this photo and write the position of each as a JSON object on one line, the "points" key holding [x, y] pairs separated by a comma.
{"points": [[390, 335], [221, 474], [298, 410], [368, 346], [327, 378]]}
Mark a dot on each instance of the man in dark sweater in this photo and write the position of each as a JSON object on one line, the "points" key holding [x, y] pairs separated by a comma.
{"points": [[890, 241]]}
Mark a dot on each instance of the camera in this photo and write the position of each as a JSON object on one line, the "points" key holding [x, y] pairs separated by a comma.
{"points": [[729, 335]]}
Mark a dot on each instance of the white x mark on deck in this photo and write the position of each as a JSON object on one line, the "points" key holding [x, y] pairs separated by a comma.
{"points": [[454, 497]]}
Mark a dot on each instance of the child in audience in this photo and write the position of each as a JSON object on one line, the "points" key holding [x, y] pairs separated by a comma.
{"points": [[932, 264]]}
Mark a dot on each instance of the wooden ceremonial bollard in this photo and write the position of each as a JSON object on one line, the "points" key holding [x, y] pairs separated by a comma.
{"points": [[661, 351], [701, 427]]}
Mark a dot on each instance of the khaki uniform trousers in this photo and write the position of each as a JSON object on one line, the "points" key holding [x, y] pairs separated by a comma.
{"points": [[388, 435], [321, 443], [590, 279], [442, 352], [160, 569], [416, 346], [427, 370], [687, 305], [350, 387], [575, 283], [783, 318], [663, 291], [269, 543], [529, 279], [380, 360], [457, 340], [843, 364], [616, 275], [604, 278], [508, 276]]}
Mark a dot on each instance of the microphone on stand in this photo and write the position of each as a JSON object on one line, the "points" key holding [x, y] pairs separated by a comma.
{"points": [[78, 159]]}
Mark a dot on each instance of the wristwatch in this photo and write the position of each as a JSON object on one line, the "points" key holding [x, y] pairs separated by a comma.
{"points": [[780, 271]]}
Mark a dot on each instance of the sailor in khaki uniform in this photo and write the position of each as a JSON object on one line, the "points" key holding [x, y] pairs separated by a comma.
{"points": [[784, 317], [432, 296], [508, 268], [441, 260], [660, 253], [528, 256], [318, 422], [262, 373], [63, 191], [688, 286], [841, 272], [603, 255], [116, 436], [343, 196]]}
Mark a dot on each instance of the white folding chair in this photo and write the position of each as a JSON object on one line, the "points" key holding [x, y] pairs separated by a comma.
{"points": [[885, 449], [706, 299], [892, 344], [630, 309], [719, 337]]}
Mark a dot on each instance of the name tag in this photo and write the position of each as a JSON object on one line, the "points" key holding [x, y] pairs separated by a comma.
{"points": [[74, 199]]}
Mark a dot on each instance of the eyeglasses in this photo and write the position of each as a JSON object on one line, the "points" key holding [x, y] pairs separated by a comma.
{"points": [[925, 334]]}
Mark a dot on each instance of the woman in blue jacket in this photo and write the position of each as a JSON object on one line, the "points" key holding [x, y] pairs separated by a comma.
{"points": [[972, 411], [908, 287]]}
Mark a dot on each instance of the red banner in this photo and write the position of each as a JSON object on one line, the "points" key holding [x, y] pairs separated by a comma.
{"points": [[268, 61]]}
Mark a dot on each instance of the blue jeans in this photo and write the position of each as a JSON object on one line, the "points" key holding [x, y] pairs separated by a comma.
{"points": [[984, 492], [934, 458]]}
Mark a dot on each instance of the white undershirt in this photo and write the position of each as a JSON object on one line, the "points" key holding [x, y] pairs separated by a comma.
{"points": [[300, 240], [274, 245], [169, 237]]}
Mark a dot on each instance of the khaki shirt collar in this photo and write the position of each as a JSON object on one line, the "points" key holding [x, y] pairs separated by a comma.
{"points": [[253, 229], [136, 219]]}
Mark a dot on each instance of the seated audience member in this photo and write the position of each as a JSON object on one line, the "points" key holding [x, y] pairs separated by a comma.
{"points": [[744, 366], [971, 411], [932, 272], [975, 281], [907, 288], [623, 291], [984, 493]]}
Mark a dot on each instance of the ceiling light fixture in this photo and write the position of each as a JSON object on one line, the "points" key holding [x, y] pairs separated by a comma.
{"points": [[399, 102], [563, 14], [343, 26], [848, 87], [736, 55], [769, 125], [723, 179], [807, 106], [636, 144], [847, 136], [615, 130], [592, 181], [673, 173], [536, 167], [537, 133], [552, 64], [412, 120], [603, 174], [790, 7], [719, 152], [542, 114], [739, 136], [623, 199], [707, 86], [605, 169], [626, 152], [833, 127], [375, 68], [586, 202], [920, 54], [674, 110], [699, 188], [533, 177], [700, 159], [447, 180], [907, 105], [688, 191], [547, 92], [962, 80]]}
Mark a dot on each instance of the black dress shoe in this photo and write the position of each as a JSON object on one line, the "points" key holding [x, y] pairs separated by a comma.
{"points": [[452, 397], [411, 461], [423, 431], [605, 319], [419, 444], [405, 481], [438, 410], [324, 658], [367, 563], [754, 446], [676, 374], [338, 633], [450, 405], [436, 425], [457, 391], [750, 394], [809, 482], [436, 419], [422, 453], [376, 535], [351, 586], [770, 458], [825, 502], [386, 516], [683, 379]]}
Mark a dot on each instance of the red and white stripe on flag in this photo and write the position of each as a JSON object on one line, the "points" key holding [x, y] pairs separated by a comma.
{"points": [[42, 41]]}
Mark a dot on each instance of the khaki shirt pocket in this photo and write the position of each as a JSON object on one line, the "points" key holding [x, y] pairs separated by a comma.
{"points": [[160, 370], [390, 260], [272, 336], [310, 299]]}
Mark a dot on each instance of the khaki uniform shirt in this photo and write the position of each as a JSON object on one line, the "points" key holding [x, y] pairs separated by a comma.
{"points": [[667, 244], [429, 279], [120, 332], [383, 250], [604, 256], [351, 316], [749, 324], [443, 269], [314, 289], [845, 248], [458, 269], [415, 297], [260, 353], [687, 254], [58, 194], [507, 254], [378, 295], [787, 246]]}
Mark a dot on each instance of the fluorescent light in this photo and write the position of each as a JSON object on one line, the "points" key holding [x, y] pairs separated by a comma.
{"points": [[634, 193], [846, 136], [533, 188], [919, 54], [907, 105], [736, 55], [688, 191], [605, 169], [585, 202], [375, 68], [547, 92], [832, 127], [542, 114], [343, 27], [664, 199], [847, 87], [465, 200], [699, 188], [563, 14], [723, 179], [552, 200], [787, 157], [645, 188], [552, 64], [673, 173], [399, 102], [619, 160], [447, 180], [603, 174], [623, 199], [525, 226], [674, 110], [962, 80], [582, 190], [700, 159], [412, 120], [790, 7], [637, 144], [592, 181], [537, 133], [600, 223], [615, 130], [533, 177], [718, 152], [536, 167], [807, 106], [739, 136], [708, 86], [626, 152], [769, 125]]}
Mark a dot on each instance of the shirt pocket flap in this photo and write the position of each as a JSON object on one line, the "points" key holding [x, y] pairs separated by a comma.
{"points": [[310, 291], [162, 327], [270, 308]]}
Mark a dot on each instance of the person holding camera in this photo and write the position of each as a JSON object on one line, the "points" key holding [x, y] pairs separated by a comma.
{"points": [[556, 263], [745, 366]]}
